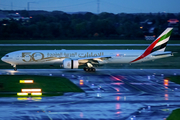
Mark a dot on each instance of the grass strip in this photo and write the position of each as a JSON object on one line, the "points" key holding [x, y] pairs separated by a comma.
{"points": [[175, 79], [9, 84], [175, 115]]}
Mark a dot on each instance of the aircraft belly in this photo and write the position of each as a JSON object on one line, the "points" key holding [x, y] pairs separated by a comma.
{"points": [[39, 62]]}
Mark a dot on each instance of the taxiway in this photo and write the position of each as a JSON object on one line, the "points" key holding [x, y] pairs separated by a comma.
{"points": [[125, 94]]}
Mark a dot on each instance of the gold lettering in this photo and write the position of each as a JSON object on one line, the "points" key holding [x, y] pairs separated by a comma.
{"points": [[99, 54], [72, 55], [81, 55], [33, 57], [58, 54], [26, 54], [66, 54], [55, 54]]}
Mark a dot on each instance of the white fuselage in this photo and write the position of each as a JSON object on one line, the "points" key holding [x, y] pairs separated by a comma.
{"points": [[24, 57]]}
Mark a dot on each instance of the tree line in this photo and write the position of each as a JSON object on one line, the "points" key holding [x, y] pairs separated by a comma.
{"points": [[59, 25]]}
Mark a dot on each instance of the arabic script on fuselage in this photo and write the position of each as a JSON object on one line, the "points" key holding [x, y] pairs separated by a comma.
{"points": [[75, 54], [39, 56]]}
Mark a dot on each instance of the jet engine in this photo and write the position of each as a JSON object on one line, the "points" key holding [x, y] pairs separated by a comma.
{"points": [[70, 64]]}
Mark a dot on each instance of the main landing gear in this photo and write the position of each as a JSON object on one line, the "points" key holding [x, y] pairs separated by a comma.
{"points": [[89, 68]]}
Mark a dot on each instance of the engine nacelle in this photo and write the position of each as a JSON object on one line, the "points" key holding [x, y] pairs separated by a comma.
{"points": [[70, 64]]}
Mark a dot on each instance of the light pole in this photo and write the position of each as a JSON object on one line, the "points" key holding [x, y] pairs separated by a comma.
{"points": [[28, 5], [98, 2]]}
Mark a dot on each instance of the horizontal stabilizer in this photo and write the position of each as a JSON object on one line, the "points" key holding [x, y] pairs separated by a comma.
{"points": [[164, 53]]}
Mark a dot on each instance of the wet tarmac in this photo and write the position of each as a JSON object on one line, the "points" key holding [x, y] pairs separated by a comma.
{"points": [[111, 94]]}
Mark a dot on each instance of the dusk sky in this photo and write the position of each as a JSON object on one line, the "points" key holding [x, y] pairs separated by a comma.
{"points": [[112, 6]]}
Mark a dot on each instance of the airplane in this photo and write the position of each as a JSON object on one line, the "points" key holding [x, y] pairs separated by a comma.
{"points": [[72, 59]]}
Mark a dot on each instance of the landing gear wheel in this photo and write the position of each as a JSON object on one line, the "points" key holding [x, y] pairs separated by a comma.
{"points": [[15, 69], [89, 69], [86, 69], [93, 69]]}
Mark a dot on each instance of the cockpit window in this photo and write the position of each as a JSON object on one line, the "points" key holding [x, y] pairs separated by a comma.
{"points": [[6, 55]]}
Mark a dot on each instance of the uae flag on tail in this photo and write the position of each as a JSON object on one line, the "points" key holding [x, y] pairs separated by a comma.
{"points": [[158, 45]]}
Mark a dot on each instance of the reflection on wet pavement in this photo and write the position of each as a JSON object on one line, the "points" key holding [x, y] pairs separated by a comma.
{"points": [[129, 94]]}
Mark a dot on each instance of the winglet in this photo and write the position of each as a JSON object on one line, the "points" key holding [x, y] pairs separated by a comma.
{"points": [[158, 45]]}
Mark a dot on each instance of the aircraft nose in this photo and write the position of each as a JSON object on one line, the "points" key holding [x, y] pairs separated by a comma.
{"points": [[2, 58]]}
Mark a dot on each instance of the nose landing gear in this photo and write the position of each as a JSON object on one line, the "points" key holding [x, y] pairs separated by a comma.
{"points": [[15, 68]]}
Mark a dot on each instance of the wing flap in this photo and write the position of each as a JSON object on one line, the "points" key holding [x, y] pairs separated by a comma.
{"points": [[97, 57]]}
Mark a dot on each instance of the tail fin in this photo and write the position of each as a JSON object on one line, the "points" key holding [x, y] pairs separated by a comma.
{"points": [[161, 41], [158, 45]]}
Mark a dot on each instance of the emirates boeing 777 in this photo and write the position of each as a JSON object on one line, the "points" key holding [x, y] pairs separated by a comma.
{"points": [[72, 59]]}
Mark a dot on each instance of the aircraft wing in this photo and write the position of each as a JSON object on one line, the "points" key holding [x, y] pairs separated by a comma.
{"points": [[96, 57]]}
